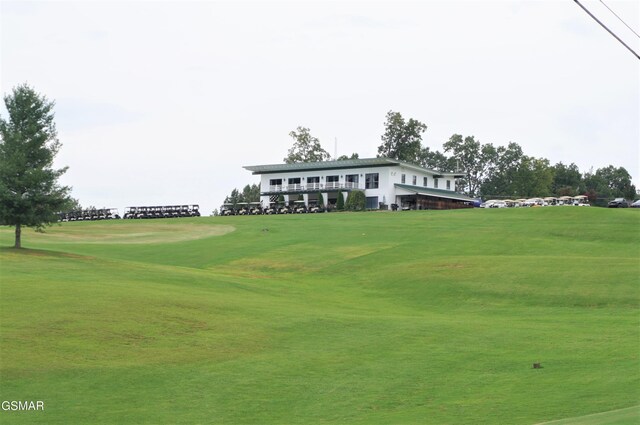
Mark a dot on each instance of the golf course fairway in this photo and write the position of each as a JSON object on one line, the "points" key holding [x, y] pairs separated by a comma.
{"points": [[418, 317]]}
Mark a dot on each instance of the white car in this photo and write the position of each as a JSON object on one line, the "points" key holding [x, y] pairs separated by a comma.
{"points": [[498, 204], [488, 204]]}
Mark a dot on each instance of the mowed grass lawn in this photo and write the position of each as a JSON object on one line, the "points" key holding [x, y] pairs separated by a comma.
{"points": [[424, 317]]}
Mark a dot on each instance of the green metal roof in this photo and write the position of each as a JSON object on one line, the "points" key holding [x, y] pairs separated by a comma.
{"points": [[440, 193], [334, 165]]}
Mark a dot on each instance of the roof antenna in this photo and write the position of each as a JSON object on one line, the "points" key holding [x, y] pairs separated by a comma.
{"points": [[335, 149]]}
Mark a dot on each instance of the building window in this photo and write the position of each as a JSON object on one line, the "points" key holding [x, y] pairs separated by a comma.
{"points": [[435, 183], [275, 185], [351, 181], [294, 183], [425, 180], [332, 182], [448, 184], [313, 183], [371, 181], [403, 178], [415, 180]]}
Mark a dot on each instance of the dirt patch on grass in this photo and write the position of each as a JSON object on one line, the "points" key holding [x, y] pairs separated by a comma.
{"points": [[302, 258], [449, 266]]}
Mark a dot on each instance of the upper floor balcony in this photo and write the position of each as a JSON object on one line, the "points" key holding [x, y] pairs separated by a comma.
{"points": [[315, 187]]}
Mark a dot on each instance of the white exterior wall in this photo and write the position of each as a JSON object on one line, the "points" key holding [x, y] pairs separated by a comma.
{"points": [[410, 172]]}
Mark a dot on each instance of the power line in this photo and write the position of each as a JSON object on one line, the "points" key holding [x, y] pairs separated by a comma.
{"points": [[625, 24], [608, 30]]}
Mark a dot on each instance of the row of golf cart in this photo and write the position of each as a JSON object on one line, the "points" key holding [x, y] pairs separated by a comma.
{"points": [[90, 214], [167, 211], [578, 201], [256, 208]]}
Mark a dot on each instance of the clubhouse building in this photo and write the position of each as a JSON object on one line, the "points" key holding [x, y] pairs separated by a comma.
{"points": [[385, 182]]}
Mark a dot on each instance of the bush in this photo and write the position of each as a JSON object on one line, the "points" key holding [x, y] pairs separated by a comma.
{"points": [[320, 200], [356, 201], [340, 202]]}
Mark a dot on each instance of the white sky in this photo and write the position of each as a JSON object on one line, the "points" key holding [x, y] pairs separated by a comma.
{"points": [[162, 103]]}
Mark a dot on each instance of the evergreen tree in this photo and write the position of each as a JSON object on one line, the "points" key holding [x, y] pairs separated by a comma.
{"points": [[356, 201], [340, 202], [30, 195]]}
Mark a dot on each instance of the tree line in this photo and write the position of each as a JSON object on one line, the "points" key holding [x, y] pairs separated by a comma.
{"points": [[250, 193], [499, 171], [506, 171], [489, 171]]}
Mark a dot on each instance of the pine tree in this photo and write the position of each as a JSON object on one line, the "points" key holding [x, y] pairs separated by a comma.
{"points": [[340, 202], [30, 195]]}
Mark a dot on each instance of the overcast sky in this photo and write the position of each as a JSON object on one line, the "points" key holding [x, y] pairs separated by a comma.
{"points": [[162, 103]]}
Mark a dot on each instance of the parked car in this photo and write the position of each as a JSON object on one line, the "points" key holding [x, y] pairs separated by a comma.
{"points": [[488, 203], [618, 203], [498, 204], [636, 204]]}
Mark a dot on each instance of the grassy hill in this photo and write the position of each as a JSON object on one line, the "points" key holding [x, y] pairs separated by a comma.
{"points": [[428, 317]]}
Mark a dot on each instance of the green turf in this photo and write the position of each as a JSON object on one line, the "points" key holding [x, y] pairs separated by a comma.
{"points": [[630, 415], [362, 318]]}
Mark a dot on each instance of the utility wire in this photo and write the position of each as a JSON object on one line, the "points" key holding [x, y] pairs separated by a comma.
{"points": [[608, 30], [625, 24]]}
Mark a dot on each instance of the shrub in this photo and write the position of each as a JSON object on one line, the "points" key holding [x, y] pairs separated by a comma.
{"points": [[340, 202], [320, 200], [356, 201]]}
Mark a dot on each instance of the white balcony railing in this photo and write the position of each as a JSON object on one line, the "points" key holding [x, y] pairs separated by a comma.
{"points": [[314, 186]]}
